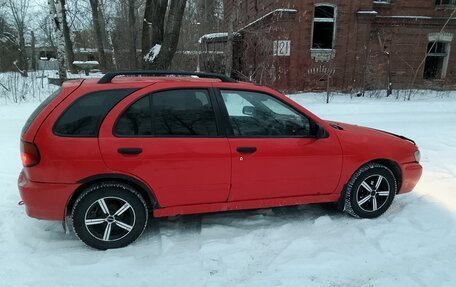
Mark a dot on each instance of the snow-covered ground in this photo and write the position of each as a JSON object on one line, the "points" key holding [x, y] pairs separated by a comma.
{"points": [[16, 89], [413, 244]]}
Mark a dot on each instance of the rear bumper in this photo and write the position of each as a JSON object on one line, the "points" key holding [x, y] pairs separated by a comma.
{"points": [[411, 174], [45, 200]]}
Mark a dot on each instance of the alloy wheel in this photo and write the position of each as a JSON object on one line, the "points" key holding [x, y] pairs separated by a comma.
{"points": [[109, 219], [373, 193]]}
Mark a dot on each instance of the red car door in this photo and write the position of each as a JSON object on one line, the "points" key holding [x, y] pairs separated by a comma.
{"points": [[169, 140], [274, 151]]}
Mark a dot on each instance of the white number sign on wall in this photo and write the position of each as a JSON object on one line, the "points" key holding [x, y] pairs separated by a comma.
{"points": [[282, 48]]}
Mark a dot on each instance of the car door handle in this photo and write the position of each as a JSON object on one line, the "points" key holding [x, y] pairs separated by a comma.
{"points": [[246, 149], [131, 151]]}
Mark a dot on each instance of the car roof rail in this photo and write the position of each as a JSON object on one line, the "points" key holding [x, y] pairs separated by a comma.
{"points": [[107, 78]]}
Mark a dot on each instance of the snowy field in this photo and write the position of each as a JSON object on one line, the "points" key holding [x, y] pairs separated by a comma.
{"points": [[413, 244]]}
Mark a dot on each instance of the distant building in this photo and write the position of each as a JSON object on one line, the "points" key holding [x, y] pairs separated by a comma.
{"points": [[46, 56], [298, 45]]}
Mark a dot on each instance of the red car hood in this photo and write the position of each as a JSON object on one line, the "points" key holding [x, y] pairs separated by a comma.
{"points": [[364, 130]]}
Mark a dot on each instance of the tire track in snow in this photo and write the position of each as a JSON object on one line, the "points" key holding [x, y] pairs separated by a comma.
{"points": [[262, 258]]}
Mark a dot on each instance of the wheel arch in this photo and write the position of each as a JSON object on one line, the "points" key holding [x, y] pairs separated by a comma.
{"points": [[393, 166], [142, 188]]}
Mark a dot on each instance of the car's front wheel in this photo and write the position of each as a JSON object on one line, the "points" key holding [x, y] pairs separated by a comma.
{"points": [[370, 191], [109, 215]]}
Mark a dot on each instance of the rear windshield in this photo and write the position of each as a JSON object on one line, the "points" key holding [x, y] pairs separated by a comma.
{"points": [[39, 109]]}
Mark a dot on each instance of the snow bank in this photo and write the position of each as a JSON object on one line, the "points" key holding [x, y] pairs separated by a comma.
{"points": [[213, 36], [83, 63], [153, 53], [367, 12], [413, 244]]}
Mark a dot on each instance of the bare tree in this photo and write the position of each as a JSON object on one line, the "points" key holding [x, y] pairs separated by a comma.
{"points": [[19, 10], [46, 30], [229, 46], [97, 25], [207, 11], [153, 26], [33, 56], [108, 29], [146, 27], [387, 53], [9, 49], [162, 52], [132, 33], [56, 10], [66, 36]]}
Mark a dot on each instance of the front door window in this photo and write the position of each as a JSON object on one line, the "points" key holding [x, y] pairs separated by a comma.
{"points": [[253, 114]]}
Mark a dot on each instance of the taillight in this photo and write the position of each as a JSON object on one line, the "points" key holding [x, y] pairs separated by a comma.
{"points": [[30, 155]]}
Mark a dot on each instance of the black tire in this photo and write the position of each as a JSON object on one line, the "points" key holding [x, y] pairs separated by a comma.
{"points": [[370, 191], [109, 215]]}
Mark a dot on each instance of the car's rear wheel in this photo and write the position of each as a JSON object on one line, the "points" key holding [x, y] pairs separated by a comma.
{"points": [[109, 215], [370, 191]]}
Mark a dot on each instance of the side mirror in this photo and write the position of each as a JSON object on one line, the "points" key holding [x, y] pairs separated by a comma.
{"points": [[249, 111], [321, 133]]}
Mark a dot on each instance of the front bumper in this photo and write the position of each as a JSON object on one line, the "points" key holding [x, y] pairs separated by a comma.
{"points": [[45, 200], [411, 174]]}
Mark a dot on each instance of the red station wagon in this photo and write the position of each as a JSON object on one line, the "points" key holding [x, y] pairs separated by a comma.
{"points": [[108, 153]]}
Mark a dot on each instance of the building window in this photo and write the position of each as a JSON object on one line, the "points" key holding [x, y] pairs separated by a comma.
{"points": [[324, 27], [436, 63], [445, 2]]}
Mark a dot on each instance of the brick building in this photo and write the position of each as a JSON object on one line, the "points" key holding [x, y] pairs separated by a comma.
{"points": [[351, 45]]}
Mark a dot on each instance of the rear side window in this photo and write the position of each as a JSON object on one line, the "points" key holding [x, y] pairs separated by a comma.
{"points": [[84, 117], [169, 113], [39, 109], [136, 120]]}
